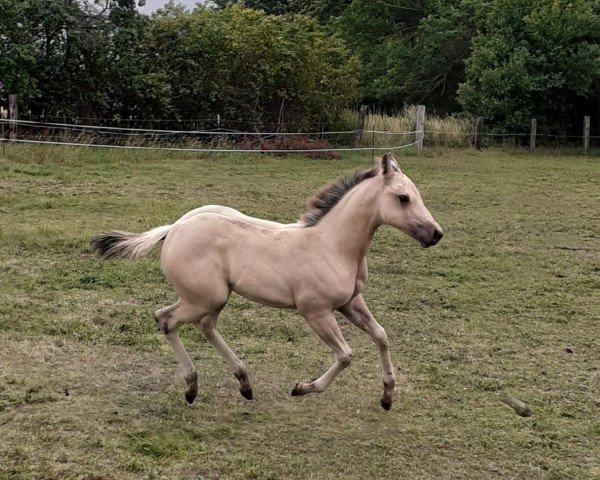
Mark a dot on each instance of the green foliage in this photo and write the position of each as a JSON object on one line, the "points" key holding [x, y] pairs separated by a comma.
{"points": [[524, 58], [68, 59], [536, 59], [412, 53], [19, 33], [322, 10], [281, 63], [248, 66]]}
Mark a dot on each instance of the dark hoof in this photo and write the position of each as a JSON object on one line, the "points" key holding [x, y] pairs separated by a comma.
{"points": [[386, 405], [190, 397], [296, 391], [247, 394]]}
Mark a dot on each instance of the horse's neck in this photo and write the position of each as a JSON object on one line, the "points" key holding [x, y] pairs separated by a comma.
{"points": [[351, 224]]}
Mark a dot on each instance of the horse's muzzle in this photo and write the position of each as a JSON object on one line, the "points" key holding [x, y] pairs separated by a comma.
{"points": [[434, 238]]}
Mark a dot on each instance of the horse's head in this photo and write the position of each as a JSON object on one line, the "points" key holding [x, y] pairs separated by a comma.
{"points": [[401, 205]]}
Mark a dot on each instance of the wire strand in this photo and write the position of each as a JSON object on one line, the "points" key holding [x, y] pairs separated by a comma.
{"points": [[207, 150], [194, 132]]}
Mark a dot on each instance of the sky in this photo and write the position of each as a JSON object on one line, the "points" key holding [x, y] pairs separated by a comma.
{"points": [[153, 5]]}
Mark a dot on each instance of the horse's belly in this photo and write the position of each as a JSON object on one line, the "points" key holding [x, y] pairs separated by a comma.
{"points": [[266, 298], [264, 285]]}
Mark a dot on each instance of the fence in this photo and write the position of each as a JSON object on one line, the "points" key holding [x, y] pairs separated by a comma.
{"points": [[215, 141], [375, 133]]}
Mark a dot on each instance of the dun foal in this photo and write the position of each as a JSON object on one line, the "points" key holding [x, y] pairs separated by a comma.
{"points": [[315, 266]]}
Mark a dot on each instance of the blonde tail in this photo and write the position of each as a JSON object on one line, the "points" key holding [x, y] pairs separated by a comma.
{"points": [[111, 245]]}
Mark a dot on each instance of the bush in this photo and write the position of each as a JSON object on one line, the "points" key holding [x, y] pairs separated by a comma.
{"points": [[274, 72]]}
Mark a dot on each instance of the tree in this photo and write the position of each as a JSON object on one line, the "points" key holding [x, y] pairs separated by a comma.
{"points": [[271, 7], [413, 52], [19, 34], [322, 10], [75, 58], [537, 59]]}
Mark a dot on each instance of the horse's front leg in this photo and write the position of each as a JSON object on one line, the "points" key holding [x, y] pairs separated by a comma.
{"points": [[358, 313], [326, 327]]}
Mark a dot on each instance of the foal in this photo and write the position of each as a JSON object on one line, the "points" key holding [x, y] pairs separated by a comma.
{"points": [[315, 266]]}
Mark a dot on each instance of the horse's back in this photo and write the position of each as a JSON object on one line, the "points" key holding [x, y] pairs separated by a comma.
{"points": [[236, 214]]}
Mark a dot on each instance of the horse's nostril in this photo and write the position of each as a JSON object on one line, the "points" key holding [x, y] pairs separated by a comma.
{"points": [[437, 235]]}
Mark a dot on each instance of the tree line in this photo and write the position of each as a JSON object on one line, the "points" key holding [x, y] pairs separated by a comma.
{"points": [[294, 63]]}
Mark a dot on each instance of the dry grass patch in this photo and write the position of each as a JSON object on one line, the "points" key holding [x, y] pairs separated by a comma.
{"points": [[440, 132]]}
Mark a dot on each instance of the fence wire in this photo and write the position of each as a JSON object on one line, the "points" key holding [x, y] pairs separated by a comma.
{"points": [[211, 150], [206, 141], [239, 141]]}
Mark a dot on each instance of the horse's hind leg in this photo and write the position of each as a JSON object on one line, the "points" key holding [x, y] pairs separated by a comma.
{"points": [[358, 313], [208, 326], [169, 319]]}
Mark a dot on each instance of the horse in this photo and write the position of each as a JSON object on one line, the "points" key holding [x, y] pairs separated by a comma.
{"points": [[315, 266]]}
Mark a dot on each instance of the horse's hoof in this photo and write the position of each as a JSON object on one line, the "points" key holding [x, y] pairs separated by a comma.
{"points": [[247, 394], [296, 390], [190, 397], [386, 405]]}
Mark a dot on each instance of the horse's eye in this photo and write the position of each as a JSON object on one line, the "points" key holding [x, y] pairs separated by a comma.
{"points": [[404, 198]]}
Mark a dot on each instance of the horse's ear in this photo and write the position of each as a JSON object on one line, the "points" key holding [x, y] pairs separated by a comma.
{"points": [[388, 164]]}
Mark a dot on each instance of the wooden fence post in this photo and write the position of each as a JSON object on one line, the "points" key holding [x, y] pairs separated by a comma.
{"points": [[360, 126], [3, 114], [533, 134], [477, 140], [13, 114], [420, 127], [373, 140], [586, 133]]}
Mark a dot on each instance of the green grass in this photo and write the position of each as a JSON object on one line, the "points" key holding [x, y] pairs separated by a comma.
{"points": [[509, 300]]}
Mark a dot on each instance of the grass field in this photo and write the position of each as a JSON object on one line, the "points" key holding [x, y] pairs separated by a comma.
{"points": [[508, 301]]}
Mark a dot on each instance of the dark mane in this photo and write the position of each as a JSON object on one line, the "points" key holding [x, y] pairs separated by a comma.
{"points": [[330, 195]]}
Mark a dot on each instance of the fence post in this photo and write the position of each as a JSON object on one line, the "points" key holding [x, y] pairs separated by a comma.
{"points": [[586, 133], [13, 114], [360, 126], [533, 134], [420, 127], [373, 140], [478, 133], [2, 117]]}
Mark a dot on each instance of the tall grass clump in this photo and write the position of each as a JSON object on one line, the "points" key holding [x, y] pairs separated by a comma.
{"points": [[439, 131]]}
